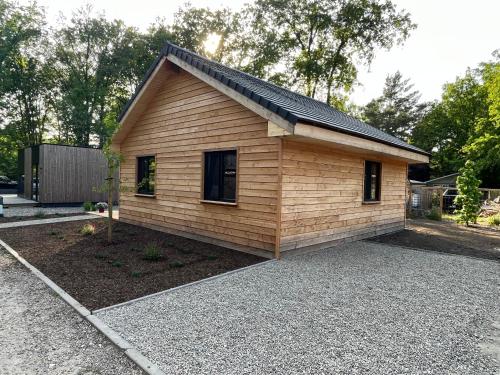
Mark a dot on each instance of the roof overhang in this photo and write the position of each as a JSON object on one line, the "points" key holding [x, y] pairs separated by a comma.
{"points": [[346, 142]]}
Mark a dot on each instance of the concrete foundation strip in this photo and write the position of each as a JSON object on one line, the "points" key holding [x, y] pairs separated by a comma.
{"points": [[16, 224], [139, 359]]}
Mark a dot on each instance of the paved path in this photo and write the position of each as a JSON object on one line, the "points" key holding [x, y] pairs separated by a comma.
{"points": [[40, 334], [362, 308], [25, 223]]}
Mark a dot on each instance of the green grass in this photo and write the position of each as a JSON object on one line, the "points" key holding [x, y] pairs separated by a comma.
{"points": [[454, 217]]}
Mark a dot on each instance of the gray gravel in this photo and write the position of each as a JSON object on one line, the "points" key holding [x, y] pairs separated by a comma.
{"points": [[362, 308], [30, 211], [40, 334]]}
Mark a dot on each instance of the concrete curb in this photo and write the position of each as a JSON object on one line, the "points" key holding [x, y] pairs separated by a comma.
{"points": [[16, 224], [228, 273], [138, 358]]}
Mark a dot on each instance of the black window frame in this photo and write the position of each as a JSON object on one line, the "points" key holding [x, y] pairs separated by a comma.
{"points": [[143, 173], [214, 185], [368, 181]]}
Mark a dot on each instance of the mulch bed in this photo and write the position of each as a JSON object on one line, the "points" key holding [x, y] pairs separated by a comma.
{"points": [[440, 243], [98, 274], [11, 219]]}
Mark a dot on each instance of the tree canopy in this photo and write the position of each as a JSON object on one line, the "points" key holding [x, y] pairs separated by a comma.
{"points": [[398, 110]]}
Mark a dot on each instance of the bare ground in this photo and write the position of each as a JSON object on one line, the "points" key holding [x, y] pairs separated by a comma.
{"points": [[447, 237]]}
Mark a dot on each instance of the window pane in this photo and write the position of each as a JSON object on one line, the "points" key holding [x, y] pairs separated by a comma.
{"points": [[372, 181], [212, 176], [220, 176], [229, 193], [146, 170]]}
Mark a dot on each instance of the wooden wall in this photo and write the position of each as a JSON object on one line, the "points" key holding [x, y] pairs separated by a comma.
{"points": [[71, 174], [185, 118], [27, 174], [322, 197]]}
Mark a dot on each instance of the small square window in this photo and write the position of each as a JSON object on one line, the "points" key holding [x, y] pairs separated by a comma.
{"points": [[146, 171], [372, 181], [220, 176]]}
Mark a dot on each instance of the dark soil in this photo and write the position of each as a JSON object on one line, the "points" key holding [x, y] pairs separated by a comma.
{"points": [[12, 219], [98, 274], [447, 237]]}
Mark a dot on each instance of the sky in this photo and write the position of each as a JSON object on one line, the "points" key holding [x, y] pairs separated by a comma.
{"points": [[451, 36]]}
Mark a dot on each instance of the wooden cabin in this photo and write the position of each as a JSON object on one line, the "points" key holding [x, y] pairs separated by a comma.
{"points": [[61, 174], [220, 156]]}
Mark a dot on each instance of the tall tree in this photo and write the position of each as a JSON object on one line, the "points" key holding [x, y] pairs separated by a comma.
{"points": [[319, 42], [483, 144], [216, 33], [26, 80], [449, 125], [92, 54], [397, 110]]}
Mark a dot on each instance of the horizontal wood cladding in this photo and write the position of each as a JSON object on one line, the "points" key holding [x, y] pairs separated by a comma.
{"points": [[322, 196], [185, 118]]}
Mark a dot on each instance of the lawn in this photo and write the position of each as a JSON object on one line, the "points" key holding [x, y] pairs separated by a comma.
{"points": [[140, 261]]}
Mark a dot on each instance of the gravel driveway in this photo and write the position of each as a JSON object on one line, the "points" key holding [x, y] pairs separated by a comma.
{"points": [[360, 308], [40, 334]]}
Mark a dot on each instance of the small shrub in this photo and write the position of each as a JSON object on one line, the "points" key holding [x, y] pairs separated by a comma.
{"points": [[88, 229], [40, 214], [100, 256], [88, 206], [60, 237], [101, 205], [494, 220], [212, 257], [117, 263], [176, 264], [152, 252], [434, 214], [53, 233], [136, 274]]}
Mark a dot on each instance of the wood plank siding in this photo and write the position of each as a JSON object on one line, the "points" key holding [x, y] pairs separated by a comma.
{"points": [[322, 200], [185, 118], [71, 174]]}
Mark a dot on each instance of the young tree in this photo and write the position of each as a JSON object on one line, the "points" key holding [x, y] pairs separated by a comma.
{"points": [[397, 110], [468, 198]]}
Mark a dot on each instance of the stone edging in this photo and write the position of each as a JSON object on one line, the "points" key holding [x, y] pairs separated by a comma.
{"points": [[138, 358]]}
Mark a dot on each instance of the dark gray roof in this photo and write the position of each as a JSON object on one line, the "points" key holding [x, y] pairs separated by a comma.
{"points": [[287, 104]]}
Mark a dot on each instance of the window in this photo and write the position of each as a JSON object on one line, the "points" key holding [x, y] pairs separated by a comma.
{"points": [[146, 170], [372, 181], [220, 176]]}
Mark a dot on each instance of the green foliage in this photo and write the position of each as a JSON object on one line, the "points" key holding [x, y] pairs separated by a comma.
{"points": [[319, 41], [88, 206], [434, 214], [40, 214], [117, 263], [398, 110], [152, 252], [468, 198], [88, 230], [136, 274], [176, 264], [465, 125], [494, 220]]}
